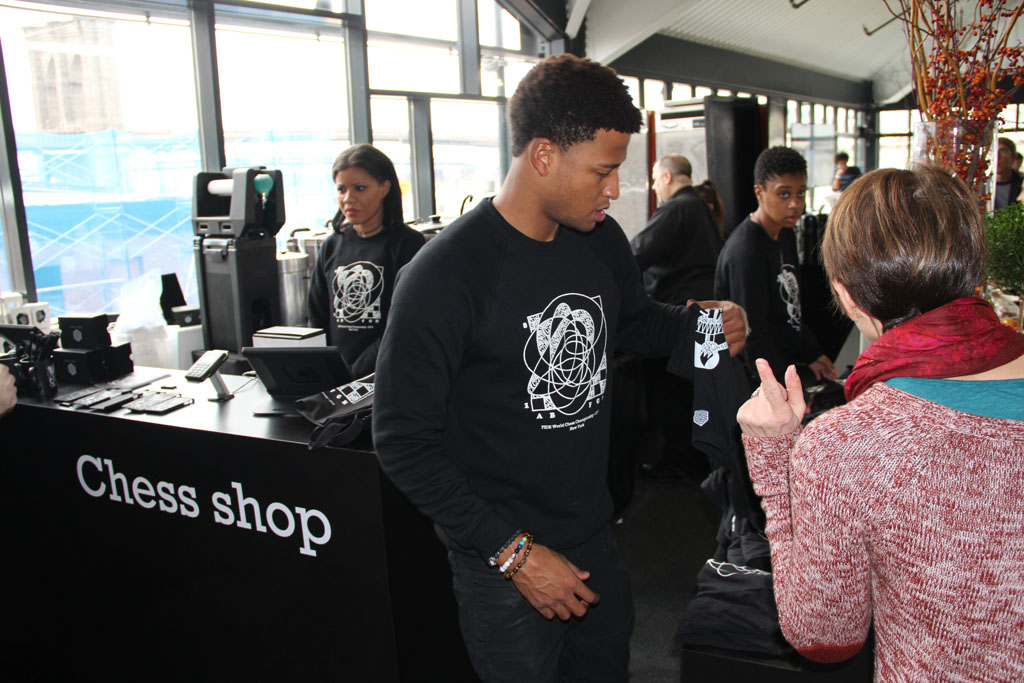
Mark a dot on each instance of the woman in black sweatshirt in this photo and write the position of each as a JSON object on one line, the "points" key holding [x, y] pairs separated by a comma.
{"points": [[350, 291]]}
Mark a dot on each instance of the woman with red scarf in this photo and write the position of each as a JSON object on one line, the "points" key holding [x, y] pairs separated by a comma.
{"points": [[905, 506]]}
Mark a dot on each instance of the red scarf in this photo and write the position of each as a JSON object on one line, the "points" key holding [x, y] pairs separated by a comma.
{"points": [[963, 337]]}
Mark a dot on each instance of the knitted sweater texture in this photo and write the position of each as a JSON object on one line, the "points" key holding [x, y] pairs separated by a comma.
{"points": [[902, 510]]}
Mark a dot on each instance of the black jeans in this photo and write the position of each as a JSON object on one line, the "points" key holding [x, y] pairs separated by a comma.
{"points": [[508, 640]]}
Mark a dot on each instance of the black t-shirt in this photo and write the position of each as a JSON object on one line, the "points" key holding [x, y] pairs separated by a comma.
{"points": [[350, 291], [849, 175], [678, 249], [761, 274], [491, 410]]}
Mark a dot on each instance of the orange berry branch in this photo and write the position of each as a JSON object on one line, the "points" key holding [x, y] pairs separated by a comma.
{"points": [[962, 64]]}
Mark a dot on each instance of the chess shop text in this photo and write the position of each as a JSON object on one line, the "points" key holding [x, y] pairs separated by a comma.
{"points": [[98, 477]]}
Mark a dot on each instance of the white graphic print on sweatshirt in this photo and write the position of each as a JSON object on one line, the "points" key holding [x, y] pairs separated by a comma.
{"points": [[789, 290], [565, 355], [357, 289]]}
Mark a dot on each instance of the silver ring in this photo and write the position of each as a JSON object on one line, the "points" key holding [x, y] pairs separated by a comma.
{"points": [[747, 331], [756, 392]]}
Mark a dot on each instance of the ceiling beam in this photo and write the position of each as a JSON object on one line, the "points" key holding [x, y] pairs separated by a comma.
{"points": [[615, 27], [672, 59], [577, 13]]}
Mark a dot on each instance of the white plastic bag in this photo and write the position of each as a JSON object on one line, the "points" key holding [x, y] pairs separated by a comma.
{"points": [[142, 323]]}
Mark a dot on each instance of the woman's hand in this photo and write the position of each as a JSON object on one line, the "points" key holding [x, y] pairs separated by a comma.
{"points": [[774, 409]]}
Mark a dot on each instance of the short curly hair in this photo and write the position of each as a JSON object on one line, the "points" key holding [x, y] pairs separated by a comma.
{"points": [[776, 161], [567, 99]]}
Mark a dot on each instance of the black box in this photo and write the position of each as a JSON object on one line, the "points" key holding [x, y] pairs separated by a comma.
{"points": [[84, 333], [89, 366], [185, 316]]}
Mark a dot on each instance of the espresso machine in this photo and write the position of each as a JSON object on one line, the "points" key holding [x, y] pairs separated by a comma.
{"points": [[236, 215]]}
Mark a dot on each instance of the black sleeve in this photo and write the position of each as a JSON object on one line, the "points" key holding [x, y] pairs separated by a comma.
{"points": [[366, 362], [408, 248], [427, 334], [646, 328], [318, 300], [659, 240]]}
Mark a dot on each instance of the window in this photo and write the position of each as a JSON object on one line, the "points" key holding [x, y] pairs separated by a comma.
{"points": [[467, 161], [654, 95], [106, 150], [390, 121], [701, 91], [894, 121], [497, 28], [437, 19], [682, 91], [289, 114], [396, 65]]}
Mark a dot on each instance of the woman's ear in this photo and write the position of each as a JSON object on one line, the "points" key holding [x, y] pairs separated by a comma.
{"points": [[851, 309]]}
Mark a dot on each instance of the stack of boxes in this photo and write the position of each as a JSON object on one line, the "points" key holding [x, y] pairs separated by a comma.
{"points": [[86, 355]]}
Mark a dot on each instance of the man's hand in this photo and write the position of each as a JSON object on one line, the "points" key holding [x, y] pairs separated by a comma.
{"points": [[554, 585], [8, 394], [734, 322], [823, 368], [774, 409]]}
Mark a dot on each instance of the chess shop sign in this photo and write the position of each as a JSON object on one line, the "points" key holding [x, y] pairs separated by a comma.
{"points": [[308, 528]]}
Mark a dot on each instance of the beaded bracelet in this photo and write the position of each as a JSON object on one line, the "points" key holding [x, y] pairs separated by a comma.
{"points": [[493, 559], [512, 558], [522, 560]]}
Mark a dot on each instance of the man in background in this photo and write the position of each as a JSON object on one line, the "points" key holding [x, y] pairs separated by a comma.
{"points": [[1008, 181], [676, 252], [845, 174]]}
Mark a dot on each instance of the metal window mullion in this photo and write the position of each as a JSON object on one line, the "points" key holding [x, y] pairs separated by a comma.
{"points": [[15, 224], [504, 143], [469, 47], [204, 62], [422, 155], [357, 74]]}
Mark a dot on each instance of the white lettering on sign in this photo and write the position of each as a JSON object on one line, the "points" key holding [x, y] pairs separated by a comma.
{"points": [[98, 478], [90, 476], [237, 510]]}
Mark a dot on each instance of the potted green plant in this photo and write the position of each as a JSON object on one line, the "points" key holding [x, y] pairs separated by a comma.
{"points": [[1005, 231]]}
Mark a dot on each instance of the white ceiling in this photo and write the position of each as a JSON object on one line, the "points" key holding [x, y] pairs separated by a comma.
{"points": [[827, 36]]}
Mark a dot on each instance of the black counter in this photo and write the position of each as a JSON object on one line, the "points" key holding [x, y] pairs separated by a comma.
{"points": [[207, 543]]}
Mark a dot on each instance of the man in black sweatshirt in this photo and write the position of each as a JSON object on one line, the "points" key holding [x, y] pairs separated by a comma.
{"points": [[758, 268], [491, 410]]}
